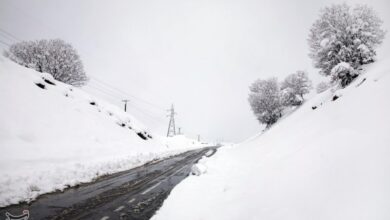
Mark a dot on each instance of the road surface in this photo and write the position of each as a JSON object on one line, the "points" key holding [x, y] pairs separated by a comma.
{"points": [[132, 194]]}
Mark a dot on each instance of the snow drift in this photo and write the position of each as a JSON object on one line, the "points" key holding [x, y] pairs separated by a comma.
{"points": [[327, 160], [53, 135]]}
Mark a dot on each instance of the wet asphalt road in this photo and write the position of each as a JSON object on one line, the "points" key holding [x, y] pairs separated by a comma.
{"points": [[132, 194]]}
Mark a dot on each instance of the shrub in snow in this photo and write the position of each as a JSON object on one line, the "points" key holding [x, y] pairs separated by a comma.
{"points": [[294, 87], [344, 73], [198, 169], [345, 35], [322, 87], [265, 101], [55, 57]]}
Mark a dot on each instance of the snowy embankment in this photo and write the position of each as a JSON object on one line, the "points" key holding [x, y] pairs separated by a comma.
{"points": [[331, 162], [53, 135]]}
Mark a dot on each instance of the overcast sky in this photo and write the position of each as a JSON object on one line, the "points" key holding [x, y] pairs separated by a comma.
{"points": [[200, 55]]}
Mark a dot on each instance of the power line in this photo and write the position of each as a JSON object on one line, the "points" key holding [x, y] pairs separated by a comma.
{"points": [[126, 93], [25, 13], [4, 43], [102, 90], [114, 96], [9, 34], [109, 87], [143, 111], [105, 91], [7, 37], [149, 115]]}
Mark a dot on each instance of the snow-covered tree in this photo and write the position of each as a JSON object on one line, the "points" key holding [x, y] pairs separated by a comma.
{"points": [[344, 73], [345, 35], [322, 87], [289, 98], [293, 87], [264, 99], [55, 57]]}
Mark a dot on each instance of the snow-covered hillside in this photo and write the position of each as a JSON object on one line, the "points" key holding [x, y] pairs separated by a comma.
{"points": [[331, 162], [59, 136]]}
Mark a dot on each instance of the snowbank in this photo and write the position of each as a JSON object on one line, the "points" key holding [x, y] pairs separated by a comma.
{"points": [[53, 135], [331, 162], [198, 169], [180, 141]]}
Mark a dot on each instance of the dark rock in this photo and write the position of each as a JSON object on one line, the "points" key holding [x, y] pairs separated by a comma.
{"points": [[142, 135], [41, 85], [49, 82]]}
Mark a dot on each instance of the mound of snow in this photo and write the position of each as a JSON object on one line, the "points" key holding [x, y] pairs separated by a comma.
{"points": [[328, 162], [53, 135], [198, 169], [180, 141]]}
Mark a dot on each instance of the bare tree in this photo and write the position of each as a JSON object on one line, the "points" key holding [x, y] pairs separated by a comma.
{"points": [[55, 57], [264, 99], [345, 35]]}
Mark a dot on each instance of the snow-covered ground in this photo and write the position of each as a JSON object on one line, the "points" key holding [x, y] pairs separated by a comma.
{"points": [[328, 163], [60, 136]]}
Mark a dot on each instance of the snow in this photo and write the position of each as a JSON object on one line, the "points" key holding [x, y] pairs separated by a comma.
{"points": [[341, 68], [328, 163], [178, 141], [363, 48], [198, 169], [324, 42], [60, 136]]}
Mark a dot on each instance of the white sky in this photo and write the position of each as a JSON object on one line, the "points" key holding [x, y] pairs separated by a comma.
{"points": [[200, 55]]}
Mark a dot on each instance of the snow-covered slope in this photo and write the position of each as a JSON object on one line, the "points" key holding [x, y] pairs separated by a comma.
{"points": [[60, 136], [328, 163]]}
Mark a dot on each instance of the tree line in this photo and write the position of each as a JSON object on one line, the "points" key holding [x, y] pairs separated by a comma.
{"points": [[341, 41]]}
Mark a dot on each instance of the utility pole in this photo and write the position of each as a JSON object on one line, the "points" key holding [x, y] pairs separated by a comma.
{"points": [[125, 101], [171, 127]]}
